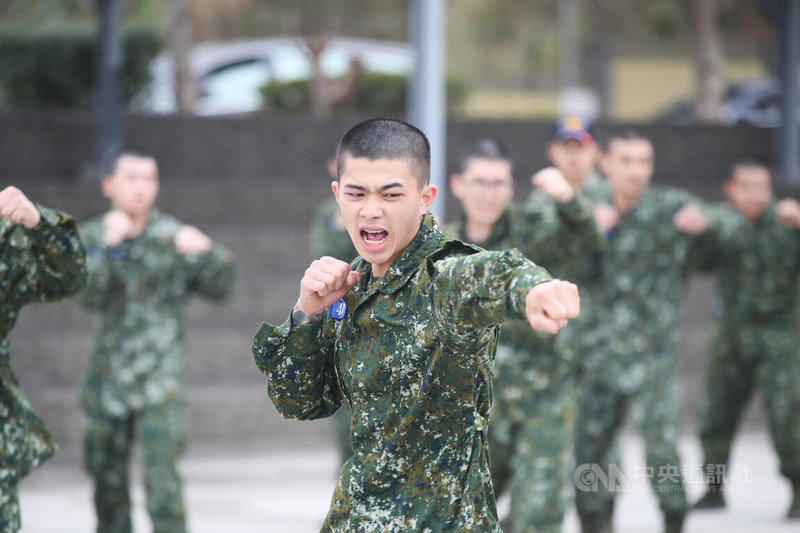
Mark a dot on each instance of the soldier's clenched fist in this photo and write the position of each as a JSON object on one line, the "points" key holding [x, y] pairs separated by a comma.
{"points": [[549, 305], [324, 283], [553, 182], [117, 227], [16, 207], [190, 240]]}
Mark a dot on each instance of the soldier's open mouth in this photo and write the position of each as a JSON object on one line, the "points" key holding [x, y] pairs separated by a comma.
{"points": [[374, 238]]}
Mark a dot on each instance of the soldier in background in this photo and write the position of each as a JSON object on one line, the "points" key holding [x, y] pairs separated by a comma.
{"points": [[629, 355], [41, 259], [329, 238], [574, 152], [756, 343], [407, 338], [531, 428], [144, 266]]}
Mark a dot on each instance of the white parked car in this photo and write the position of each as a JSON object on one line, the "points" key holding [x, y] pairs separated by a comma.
{"points": [[229, 75]]}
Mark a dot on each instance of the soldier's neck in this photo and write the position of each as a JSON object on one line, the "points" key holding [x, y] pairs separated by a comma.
{"points": [[138, 224], [477, 233], [623, 204]]}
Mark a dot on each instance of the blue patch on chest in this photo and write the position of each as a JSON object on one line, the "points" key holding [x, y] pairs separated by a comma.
{"points": [[337, 310]]}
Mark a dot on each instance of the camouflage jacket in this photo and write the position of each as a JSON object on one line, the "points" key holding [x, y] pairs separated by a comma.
{"points": [[560, 237], [639, 293], [139, 291], [41, 264], [595, 189], [326, 238], [412, 359], [580, 265], [758, 265]]}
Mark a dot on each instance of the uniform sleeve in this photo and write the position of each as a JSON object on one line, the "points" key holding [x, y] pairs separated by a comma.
{"points": [[55, 266], [578, 230], [212, 274], [298, 363], [102, 281], [707, 249], [555, 233], [486, 288]]}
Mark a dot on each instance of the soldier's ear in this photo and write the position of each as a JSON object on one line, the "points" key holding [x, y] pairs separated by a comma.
{"points": [[455, 185], [107, 187], [428, 195]]}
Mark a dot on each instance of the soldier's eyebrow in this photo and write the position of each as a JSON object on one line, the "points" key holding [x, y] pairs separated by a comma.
{"points": [[383, 188]]}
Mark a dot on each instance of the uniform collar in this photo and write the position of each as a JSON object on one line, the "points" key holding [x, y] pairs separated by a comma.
{"points": [[413, 256], [768, 214], [499, 233]]}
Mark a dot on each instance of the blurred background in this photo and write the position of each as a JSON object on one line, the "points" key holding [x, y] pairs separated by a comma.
{"points": [[242, 101], [667, 60]]}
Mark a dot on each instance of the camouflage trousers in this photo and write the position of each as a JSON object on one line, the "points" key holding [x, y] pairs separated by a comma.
{"points": [[108, 443], [743, 360], [531, 434], [602, 410], [9, 505], [25, 442]]}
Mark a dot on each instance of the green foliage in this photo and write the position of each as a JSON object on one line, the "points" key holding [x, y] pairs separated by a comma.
{"points": [[375, 93], [57, 68], [666, 19]]}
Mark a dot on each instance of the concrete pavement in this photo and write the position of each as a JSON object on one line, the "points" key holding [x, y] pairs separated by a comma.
{"points": [[249, 488]]}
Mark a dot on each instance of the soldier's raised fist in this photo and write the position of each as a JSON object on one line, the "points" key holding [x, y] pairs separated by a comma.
{"points": [[553, 182], [190, 240], [117, 227], [16, 207], [325, 282]]}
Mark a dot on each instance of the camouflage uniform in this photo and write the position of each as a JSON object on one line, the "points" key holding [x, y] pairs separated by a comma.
{"points": [[756, 342], [44, 263], [328, 239], [530, 437], [137, 371], [630, 348], [412, 357]]}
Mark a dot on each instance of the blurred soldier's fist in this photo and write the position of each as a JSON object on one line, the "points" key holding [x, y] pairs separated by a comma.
{"points": [[606, 216], [689, 219], [553, 182], [788, 212], [116, 227], [190, 240], [16, 207]]}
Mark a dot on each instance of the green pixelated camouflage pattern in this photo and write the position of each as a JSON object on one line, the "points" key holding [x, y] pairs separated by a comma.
{"points": [[108, 446], [755, 347], [646, 262], [413, 360], [629, 346], [595, 189], [530, 433], [139, 291], [41, 264]]}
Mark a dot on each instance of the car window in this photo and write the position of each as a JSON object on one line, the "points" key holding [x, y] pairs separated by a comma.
{"points": [[289, 63], [385, 62], [235, 86]]}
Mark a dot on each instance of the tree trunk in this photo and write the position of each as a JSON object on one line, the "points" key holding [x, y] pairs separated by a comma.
{"points": [[179, 42], [707, 57]]}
